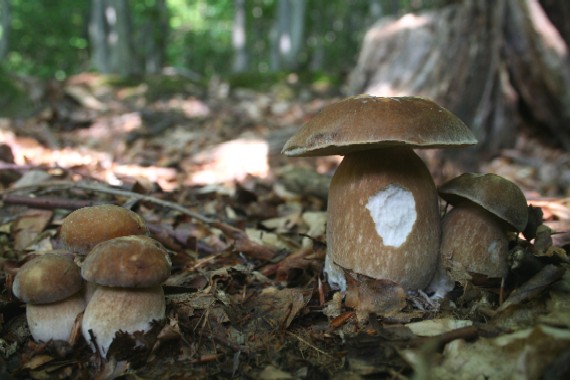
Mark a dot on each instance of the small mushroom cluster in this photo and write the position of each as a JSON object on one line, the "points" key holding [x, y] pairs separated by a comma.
{"points": [[50, 285], [123, 270], [383, 222], [474, 233]]}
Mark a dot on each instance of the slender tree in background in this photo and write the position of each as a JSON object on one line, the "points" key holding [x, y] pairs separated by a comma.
{"points": [[239, 37], [4, 27], [110, 37], [151, 36], [318, 28], [288, 34]]}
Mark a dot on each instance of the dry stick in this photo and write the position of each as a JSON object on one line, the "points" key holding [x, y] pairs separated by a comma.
{"points": [[62, 185], [309, 344], [48, 203]]}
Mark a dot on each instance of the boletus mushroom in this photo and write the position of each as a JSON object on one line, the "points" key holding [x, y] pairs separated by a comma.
{"points": [[129, 271], [86, 227], [50, 285], [383, 226], [474, 232]]}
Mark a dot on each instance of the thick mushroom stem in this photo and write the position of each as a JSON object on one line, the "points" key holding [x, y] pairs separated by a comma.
{"points": [[383, 220], [54, 320], [120, 309]]}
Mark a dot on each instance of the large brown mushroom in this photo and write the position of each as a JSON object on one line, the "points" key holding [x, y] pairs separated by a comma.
{"points": [[383, 220], [129, 271], [474, 232], [50, 285]]}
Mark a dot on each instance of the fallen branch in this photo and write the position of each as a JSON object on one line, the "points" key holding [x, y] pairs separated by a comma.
{"points": [[52, 186], [48, 203]]}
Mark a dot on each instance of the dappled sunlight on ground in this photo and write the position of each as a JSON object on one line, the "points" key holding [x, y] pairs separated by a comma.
{"points": [[230, 161]]}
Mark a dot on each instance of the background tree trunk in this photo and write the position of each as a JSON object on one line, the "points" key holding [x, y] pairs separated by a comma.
{"points": [[317, 29], [287, 34], [110, 34], [152, 34], [4, 27], [239, 37], [499, 65]]}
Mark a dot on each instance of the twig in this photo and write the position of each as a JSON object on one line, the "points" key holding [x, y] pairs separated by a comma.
{"points": [[63, 185], [310, 345], [48, 203]]}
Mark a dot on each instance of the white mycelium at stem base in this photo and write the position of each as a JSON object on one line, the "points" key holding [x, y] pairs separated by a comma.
{"points": [[383, 219]]}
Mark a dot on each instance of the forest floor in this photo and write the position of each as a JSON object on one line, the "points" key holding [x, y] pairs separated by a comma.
{"points": [[245, 230]]}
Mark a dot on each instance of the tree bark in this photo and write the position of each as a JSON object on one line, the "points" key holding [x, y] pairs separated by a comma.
{"points": [[287, 34], [498, 65], [4, 27], [110, 33], [239, 37], [153, 37], [317, 30]]}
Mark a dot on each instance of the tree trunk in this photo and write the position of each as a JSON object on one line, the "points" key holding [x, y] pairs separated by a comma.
{"points": [[498, 65], [239, 37], [153, 37], [110, 35], [297, 32], [4, 27], [317, 30], [287, 34]]}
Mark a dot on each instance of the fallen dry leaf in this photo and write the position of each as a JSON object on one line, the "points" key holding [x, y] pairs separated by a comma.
{"points": [[28, 226]]}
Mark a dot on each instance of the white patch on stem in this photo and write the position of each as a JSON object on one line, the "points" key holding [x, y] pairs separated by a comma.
{"points": [[393, 210]]}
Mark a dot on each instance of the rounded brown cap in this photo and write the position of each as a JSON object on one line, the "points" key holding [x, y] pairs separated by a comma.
{"points": [[85, 228], [366, 122], [494, 193], [136, 261], [47, 279]]}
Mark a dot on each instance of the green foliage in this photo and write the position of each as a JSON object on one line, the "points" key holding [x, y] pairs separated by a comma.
{"points": [[256, 80], [47, 38], [12, 98], [200, 35], [153, 87], [284, 82]]}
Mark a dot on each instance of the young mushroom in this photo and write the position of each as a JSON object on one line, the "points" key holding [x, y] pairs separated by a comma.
{"points": [[129, 271], [383, 220], [474, 232], [50, 285], [86, 227]]}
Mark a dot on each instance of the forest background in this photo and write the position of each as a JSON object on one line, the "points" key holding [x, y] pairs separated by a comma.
{"points": [[198, 39]]}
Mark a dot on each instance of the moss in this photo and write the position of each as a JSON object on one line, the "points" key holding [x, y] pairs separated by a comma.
{"points": [[13, 99], [319, 82]]}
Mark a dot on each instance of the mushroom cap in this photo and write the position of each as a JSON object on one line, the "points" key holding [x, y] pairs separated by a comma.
{"points": [[86, 227], [114, 309], [47, 279], [366, 122], [494, 193], [135, 261]]}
